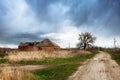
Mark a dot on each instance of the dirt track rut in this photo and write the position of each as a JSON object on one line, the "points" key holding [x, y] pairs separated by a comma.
{"points": [[101, 67]]}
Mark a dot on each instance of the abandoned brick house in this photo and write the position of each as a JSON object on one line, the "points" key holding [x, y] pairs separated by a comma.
{"points": [[46, 44]]}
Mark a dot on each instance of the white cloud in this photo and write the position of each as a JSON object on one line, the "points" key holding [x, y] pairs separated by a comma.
{"points": [[107, 42], [66, 36], [19, 17], [101, 41], [8, 46]]}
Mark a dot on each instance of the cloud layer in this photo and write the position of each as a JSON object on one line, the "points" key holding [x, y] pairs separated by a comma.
{"points": [[59, 20]]}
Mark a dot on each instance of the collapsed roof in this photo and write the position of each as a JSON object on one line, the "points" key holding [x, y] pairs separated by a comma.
{"points": [[45, 42]]}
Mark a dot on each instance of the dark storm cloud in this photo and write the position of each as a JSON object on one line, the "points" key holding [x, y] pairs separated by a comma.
{"points": [[41, 8], [26, 36], [25, 20], [17, 38], [105, 13], [97, 13]]}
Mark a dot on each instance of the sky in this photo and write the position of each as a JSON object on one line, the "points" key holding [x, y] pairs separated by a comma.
{"points": [[59, 20]]}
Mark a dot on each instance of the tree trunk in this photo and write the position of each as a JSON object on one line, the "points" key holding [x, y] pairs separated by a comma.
{"points": [[84, 46]]}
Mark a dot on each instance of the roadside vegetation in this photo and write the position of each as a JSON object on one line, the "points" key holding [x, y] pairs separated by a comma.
{"points": [[115, 55], [57, 73]]}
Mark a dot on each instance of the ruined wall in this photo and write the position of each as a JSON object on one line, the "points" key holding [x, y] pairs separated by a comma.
{"points": [[35, 48], [23, 48], [50, 48], [28, 48]]}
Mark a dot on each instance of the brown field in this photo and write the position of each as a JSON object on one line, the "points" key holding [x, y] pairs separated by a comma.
{"points": [[41, 55], [14, 73]]}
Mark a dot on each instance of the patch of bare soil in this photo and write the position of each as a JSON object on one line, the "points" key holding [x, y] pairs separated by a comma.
{"points": [[35, 67], [28, 67], [101, 67]]}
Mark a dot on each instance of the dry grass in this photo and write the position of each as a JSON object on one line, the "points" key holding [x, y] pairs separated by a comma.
{"points": [[41, 55], [14, 73]]}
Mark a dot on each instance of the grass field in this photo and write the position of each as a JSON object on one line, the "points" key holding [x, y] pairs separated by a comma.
{"points": [[57, 73]]}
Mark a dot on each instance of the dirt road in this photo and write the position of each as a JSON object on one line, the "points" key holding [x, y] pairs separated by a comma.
{"points": [[101, 67]]}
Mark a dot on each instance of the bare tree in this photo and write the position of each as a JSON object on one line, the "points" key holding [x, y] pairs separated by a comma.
{"points": [[86, 40]]}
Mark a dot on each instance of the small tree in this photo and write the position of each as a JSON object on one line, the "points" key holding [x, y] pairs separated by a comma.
{"points": [[86, 40]]}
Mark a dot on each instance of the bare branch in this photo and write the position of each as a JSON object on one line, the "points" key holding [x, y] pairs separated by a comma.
{"points": [[86, 40]]}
